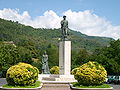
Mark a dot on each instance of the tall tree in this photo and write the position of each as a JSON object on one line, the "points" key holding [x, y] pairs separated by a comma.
{"points": [[109, 57], [79, 58]]}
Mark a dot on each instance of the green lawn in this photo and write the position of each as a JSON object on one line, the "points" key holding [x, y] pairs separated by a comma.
{"points": [[37, 84], [98, 86]]}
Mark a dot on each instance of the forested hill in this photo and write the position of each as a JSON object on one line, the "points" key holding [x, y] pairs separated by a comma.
{"points": [[41, 38]]}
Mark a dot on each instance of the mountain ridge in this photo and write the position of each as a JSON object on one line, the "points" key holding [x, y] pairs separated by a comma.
{"points": [[41, 37]]}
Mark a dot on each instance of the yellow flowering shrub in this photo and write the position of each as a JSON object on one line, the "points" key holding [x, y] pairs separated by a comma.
{"points": [[22, 74], [54, 70], [90, 73]]}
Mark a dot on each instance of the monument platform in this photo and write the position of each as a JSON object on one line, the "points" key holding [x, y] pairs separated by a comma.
{"points": [[49, 78]]}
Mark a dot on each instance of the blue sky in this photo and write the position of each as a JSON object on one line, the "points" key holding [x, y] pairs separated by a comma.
{"points": [[91, 17], [108, 9]]}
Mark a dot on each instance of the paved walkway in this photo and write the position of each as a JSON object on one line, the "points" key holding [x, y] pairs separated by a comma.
{"points": [[2, 81], [56, 87], [116, 87]]}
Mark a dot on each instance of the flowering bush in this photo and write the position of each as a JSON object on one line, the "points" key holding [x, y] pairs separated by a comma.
{"points": [[90, 73], [54, 70], [22, 74]]}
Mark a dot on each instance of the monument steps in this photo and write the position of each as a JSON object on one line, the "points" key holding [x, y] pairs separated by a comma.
{"points": [[55, 87], [48, 78], [54, 76]]}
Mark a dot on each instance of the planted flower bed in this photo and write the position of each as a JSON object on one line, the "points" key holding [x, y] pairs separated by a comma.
{"points": [[22, 76], [74, 86], [90, 76]]}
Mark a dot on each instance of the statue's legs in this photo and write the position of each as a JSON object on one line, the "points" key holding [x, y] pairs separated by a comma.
{"points": [[45, 69], [66, 32], [42, 70]]}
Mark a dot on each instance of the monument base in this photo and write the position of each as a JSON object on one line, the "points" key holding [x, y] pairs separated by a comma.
{"points": [[66, 78], [56, 78]]}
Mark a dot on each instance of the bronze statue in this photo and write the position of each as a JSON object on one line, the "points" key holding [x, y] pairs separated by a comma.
{"points": [[64, 28], [45, 67]]}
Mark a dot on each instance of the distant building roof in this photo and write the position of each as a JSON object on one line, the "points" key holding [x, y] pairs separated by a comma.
{"points": [[10, 42]]}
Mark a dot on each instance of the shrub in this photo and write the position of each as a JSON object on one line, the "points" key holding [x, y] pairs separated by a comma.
{"points": [[90, 73], [54, 70], [22, 74]]}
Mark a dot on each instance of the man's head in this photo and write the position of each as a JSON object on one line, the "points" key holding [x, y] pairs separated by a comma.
{"points": [[64, 17]]}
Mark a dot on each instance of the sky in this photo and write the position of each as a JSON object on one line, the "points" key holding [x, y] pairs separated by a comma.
{"points": [[91, 17]]}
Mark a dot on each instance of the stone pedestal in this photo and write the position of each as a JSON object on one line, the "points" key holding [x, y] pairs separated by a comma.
{"points": [[65, 57]]}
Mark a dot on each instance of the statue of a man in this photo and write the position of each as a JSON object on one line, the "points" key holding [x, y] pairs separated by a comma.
{"points": [[45, 67], [64, 27]]}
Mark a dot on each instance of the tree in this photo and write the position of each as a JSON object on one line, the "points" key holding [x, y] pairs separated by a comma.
{"points": [[109, 57], [52, 51], [25, 55], [79, 58], [11, 55], [8, 56]]}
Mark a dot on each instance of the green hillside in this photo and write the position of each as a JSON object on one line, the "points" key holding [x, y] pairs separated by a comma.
{"points": [[41, 38]]}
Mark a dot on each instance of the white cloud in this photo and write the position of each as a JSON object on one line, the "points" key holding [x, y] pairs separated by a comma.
{"points": [[84, 21], [91, 24]]}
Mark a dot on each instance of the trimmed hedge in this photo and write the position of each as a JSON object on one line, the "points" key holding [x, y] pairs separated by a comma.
{"points": [[90, 73], [22, 74], [54, 70]]}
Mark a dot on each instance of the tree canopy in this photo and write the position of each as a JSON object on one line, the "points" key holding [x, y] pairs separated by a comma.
{"points": [[109, 57]]}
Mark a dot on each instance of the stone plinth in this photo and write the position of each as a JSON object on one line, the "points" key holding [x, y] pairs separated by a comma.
{"points": [[65, 57], [69, 78], [56, 78]]}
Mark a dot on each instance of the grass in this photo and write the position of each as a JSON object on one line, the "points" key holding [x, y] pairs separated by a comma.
{"points": [[37, 84], [98, 86]]}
